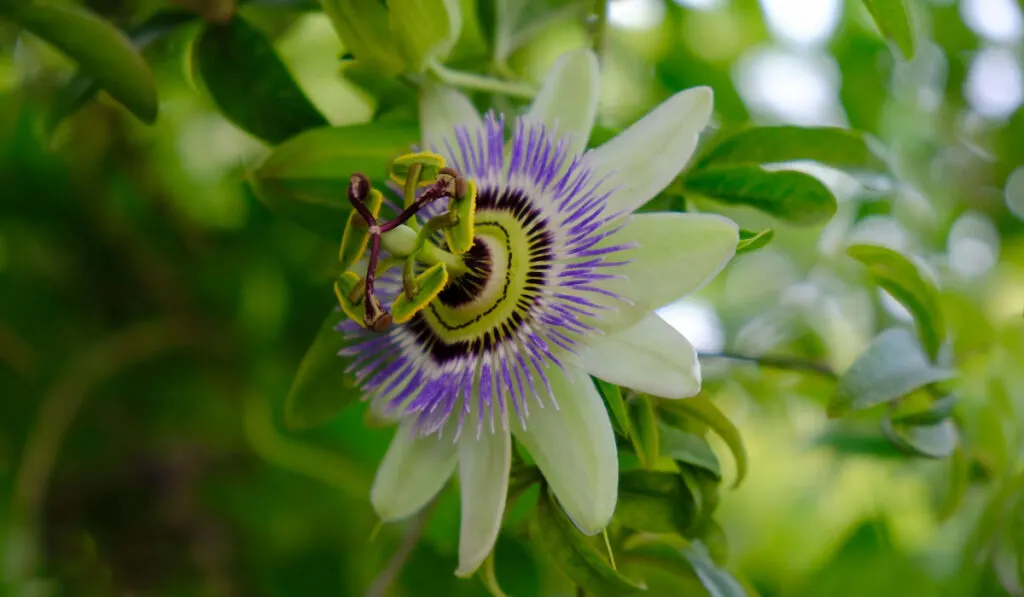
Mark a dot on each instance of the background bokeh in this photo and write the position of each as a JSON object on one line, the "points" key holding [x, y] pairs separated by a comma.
{"points": [[153, 314]]}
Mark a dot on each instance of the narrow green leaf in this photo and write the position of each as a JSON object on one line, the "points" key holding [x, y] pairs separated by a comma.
{"points": [[644, 421], [891, 367], [101, 50], [704, 410], [844, 149], [898, 276], [612, 395], [656, 502], [689, 448], [893, 20], [81, 88], [752, 241], [250, 83], [321, 388], [716, 581], [577, 556], [306, 178], [786, 194], [931, 441]]}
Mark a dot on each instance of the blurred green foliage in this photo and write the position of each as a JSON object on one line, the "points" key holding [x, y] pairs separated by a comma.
{"points": [[160, 285]]}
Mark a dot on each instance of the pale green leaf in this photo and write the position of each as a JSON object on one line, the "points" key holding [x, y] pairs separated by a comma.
{"points": [[891, 367], [898, 276], [840, 148], [931, 441], [785, 194], [690, 448], [704, 410], [893, 20]]}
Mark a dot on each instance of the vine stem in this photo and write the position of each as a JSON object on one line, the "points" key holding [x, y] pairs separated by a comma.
{"points": [[410, 539], [787, 363], [466, 80], [100, 362]]}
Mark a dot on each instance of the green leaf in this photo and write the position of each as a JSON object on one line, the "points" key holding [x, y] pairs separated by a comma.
{"points": [[306, 178], [703, 488], [612, 395], [576, 555], [856, 441], [689, 448], [752, 241], [940, 410], [364, 30], [839, 148], [786, 194], [321, 388], [893, 20], [931, 441], [426, 30], [688, 561], [956, 489], [716, 581], [250, 84], [891, 367], [510, 24], [656, 502], [898, 276], [643, 420], [704, 410], [81, 88], [101, 50]]}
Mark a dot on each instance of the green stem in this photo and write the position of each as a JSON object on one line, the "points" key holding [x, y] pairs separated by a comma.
{"points": [[466, 80], [598, 36]]}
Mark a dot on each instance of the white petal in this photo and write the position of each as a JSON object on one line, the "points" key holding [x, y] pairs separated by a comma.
{"points": [[651, 357], [575, 448], [483, 474], [646, 157], [441, 110], [414, 469], [677, 253], [568, 98]]}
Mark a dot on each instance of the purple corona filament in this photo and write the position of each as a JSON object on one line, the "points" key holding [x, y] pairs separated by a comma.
{"points": [[542, 218]]}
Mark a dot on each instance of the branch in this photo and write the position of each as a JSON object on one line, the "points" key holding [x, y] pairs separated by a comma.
{"points": [[412, 536], [786, 363]]}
